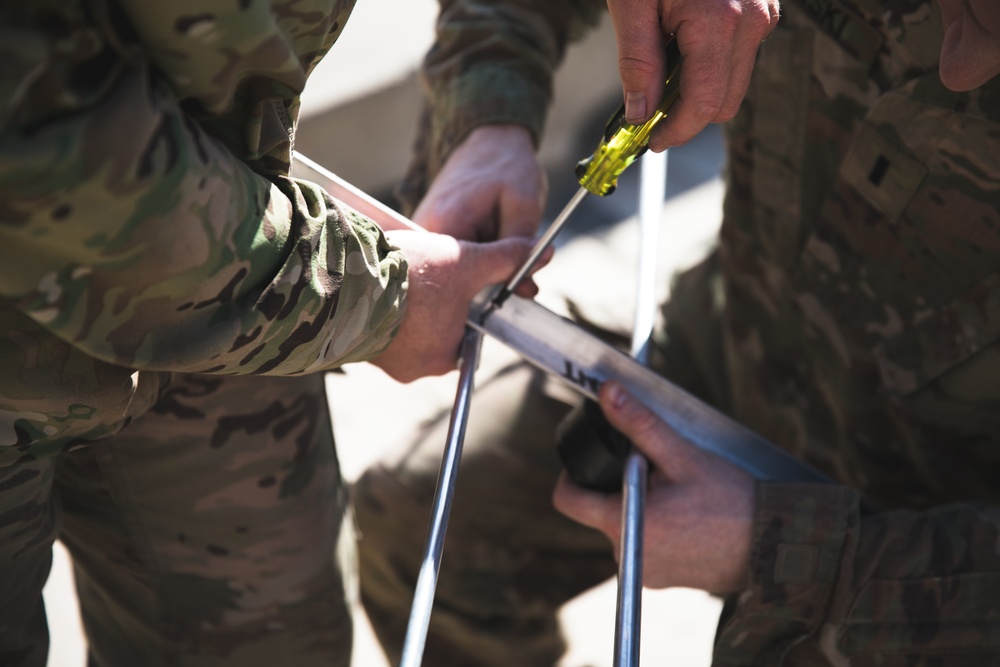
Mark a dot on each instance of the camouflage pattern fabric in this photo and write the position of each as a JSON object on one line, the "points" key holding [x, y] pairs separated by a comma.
{"points": [[849, 315], [157, 264], [183, 247], [492, 62], [859, 255], [204, 534]]}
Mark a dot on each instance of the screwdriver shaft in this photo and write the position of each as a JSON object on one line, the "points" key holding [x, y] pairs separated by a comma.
{"points": [[540, 247]]}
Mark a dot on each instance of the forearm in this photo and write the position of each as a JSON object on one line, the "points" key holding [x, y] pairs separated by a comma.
{"points": [[902, 584], [132, 234]]}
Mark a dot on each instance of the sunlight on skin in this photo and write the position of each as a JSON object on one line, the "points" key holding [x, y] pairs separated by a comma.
{"points": [[970, 52]]}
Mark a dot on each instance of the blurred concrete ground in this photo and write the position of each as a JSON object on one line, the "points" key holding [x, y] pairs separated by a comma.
{"points": [[358, 119]]}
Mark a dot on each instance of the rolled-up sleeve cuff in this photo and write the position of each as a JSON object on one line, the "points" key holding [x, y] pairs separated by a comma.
{"points": [[800, 532], [484, 95]]}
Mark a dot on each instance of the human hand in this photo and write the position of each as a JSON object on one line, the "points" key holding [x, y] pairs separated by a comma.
{"points": [[970, 52], [718, 40], [491, 187], [699, 508], [444, 275]]}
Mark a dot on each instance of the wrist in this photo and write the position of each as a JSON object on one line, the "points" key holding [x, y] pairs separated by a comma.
{"points": [[504, 132]]}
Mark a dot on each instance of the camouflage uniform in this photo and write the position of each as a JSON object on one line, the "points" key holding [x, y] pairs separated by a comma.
{"points": [[851, 315], [154, 254]]}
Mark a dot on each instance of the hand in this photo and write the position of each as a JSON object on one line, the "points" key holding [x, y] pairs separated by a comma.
{"points": [[718, 40], [490, 187], [699, 508], [970, 52], [444, 275]]}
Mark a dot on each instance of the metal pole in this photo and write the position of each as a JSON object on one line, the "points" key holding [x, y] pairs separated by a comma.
{"points": [[652, 192], [423, 597], [629, 616], [652, 188]]}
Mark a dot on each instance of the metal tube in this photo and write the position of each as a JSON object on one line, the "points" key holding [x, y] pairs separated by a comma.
{"points": [[652, 192], [629, 614], [423, 597], [628, 620]]}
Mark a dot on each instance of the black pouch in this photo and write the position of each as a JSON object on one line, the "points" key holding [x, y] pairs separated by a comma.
{"points": [[591, 449]]}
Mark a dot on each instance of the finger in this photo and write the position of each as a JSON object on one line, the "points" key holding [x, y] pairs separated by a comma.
{"points": [[528, 288], [760, 20], [703, 88], [494, 262], [719, 44], [543, 259], [673, 456], [641, 56], [597, 510], [742, 68]]}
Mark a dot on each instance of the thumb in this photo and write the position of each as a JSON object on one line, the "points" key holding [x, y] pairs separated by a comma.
{"points": [[641, 56], [675, 457]]}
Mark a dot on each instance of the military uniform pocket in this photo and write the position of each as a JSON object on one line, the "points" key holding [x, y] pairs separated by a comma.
{"points": [[932, 173], [903, 260], [898, 285]]}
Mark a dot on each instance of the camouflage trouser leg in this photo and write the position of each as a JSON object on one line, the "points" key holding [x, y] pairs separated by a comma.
{"points": [[206, 532], [28, 527], [510, 560]]}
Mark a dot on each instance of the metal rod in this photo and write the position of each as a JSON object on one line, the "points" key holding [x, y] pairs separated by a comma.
{"points": [[423, 597], [652, 192], [628, 620], [629, 614]]}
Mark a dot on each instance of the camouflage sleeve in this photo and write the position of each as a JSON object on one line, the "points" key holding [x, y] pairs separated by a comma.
{"points": [[492, 62], [828, 577], [136, 235]]}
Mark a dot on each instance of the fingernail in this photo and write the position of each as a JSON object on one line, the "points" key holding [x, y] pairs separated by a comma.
{"points": [[635, 106], [617, 395]]}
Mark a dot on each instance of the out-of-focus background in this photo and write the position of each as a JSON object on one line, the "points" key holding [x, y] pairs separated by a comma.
{"points": [[358, 119]]}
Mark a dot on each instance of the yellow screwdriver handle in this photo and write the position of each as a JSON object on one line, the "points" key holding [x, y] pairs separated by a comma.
{"points": [[624, 142]]}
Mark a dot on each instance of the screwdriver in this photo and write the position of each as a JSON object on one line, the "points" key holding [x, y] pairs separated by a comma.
{"points": [[598, 174]]}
